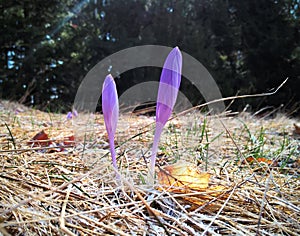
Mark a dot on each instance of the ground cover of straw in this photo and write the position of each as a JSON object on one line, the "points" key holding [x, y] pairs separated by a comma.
{"points": [[48, 191]]}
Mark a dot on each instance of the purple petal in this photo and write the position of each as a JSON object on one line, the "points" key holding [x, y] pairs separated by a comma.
{"points": [[110, 104], [110, 109], [69, 115], [169, 85], [74, 113], [167, 94]]}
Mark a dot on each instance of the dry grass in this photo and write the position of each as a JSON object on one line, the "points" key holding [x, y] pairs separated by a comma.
{"points": [[74, 191]]}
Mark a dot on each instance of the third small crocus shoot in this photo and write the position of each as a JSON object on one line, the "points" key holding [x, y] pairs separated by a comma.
{"points": [[110, 109], [167, 94]]}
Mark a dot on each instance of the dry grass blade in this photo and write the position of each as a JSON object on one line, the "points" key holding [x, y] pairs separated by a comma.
{"points": [[63, 213]]}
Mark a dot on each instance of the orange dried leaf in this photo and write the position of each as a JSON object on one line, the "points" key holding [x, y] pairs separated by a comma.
{"points": [[186, 178], [259, 159], [183, 175], [262, 159]]}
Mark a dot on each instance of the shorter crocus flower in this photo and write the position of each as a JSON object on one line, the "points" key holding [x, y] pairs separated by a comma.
{"points": [[167, 94], [110, 109], [72, 114]]}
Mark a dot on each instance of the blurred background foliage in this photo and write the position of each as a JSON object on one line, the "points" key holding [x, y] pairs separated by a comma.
{"points": [[47, 47]]}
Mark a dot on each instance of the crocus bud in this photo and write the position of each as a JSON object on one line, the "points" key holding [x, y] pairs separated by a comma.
{"points": [[167, 94], [72, 114], [69, 115], [110, 109]]}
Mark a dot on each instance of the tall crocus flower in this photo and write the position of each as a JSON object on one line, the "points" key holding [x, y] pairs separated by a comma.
{"points": [[167, 94], [110, 109]]}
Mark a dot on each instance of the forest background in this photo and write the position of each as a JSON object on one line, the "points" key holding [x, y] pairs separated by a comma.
{"points": [[48, 47]]}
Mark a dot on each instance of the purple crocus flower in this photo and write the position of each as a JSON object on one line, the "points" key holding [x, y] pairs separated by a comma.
{"points": [[72, 114], [75, 113], [110, 109], [69, 115], [167, 94]]}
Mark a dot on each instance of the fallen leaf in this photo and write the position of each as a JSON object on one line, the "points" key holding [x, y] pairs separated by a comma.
{"points": [[186, 178], [69, 140], [183, 175], [252, 160], [40, 139]]}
